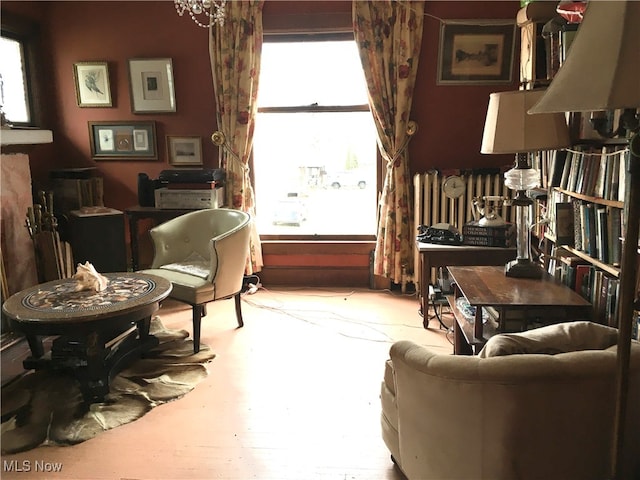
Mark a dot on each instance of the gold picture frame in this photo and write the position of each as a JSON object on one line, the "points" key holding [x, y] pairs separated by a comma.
{"points": [[92, 84]]}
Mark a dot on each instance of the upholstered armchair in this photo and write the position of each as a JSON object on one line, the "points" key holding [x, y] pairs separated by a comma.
{"points": [[536, 405], [204, 254]]}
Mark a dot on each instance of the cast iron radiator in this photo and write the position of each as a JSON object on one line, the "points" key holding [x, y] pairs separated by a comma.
{"points": [[432, 206]]}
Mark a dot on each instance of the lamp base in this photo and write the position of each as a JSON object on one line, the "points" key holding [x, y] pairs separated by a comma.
{"points": [[523, 268]]}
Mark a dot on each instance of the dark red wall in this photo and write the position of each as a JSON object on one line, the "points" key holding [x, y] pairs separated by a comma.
{"points": [[450, 118]]}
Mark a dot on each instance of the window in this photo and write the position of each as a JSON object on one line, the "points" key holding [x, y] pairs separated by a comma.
{"points": [[18, 70], [13, 89], [314, 156]]}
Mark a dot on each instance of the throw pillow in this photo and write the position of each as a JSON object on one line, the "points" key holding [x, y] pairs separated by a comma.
{"points": [[552, 339]]}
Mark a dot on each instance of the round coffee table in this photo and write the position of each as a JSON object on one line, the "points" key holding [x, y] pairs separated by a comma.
{"points": [[99, 332]]}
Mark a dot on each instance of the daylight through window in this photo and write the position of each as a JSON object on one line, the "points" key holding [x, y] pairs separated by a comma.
{"points": [[13, 91], [315, 142]]}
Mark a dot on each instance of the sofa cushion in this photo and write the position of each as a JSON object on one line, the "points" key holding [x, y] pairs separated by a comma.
{"points": [[552, 339]]}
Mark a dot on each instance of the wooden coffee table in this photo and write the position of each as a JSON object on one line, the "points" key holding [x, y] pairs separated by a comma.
{"points": [[520, 304], [99, 332]]}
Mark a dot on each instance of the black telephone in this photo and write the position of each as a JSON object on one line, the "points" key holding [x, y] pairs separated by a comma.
{"points": [[441, 233]]}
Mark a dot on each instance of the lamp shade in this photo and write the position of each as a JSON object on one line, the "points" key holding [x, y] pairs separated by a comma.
{"points": [[602, 69], [509, 128]]}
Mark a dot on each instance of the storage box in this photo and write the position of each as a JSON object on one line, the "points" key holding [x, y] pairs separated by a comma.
{"points": [[196, 199]]}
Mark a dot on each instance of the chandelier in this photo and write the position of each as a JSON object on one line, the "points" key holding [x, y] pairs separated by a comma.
{"points": [[211, 11]]}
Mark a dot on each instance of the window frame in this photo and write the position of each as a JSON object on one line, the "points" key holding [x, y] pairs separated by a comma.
{"points": [[27, 33], [316, 37]]}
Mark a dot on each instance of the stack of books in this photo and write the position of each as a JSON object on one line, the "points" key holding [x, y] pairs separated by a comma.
{"points": [[488, 235]]}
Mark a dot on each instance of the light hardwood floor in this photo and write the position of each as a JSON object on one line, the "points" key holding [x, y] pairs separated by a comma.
{"points": [[294, 395]]}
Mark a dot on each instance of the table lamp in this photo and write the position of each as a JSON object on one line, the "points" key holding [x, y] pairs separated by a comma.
{"points": [[602, 72], [510, 129]]}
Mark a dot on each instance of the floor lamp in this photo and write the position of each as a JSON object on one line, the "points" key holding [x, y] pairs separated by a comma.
{"points": [[602, 72], [509, 128]]}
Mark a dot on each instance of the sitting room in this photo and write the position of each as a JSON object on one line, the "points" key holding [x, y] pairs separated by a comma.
{"points": [[351, 239]]}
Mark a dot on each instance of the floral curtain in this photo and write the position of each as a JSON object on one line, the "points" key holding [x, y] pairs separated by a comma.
{"points": [[235, 49], [389, 37]]}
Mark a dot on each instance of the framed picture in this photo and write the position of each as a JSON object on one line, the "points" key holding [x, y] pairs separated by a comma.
{"points": [[123, 140], [184, 151], [151, 85], [479, 52], [92, 84]]}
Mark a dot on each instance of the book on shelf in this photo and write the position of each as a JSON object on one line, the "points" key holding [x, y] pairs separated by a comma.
{"points": [[582, 278], [612, 171], [576, 162], [566, 170], [569, 264], [601, 169], [577, 224], [615, 235], [588, 221], [556, 169], [611, 308], [624, 160], [564, 223], [601, 303], [602, 234]]}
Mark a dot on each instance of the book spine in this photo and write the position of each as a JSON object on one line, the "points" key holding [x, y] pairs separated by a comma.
{"points": [[497, 232], [483, 241]]}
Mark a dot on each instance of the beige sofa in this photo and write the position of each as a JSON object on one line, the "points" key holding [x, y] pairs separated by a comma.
{"points": [[519, 410]]}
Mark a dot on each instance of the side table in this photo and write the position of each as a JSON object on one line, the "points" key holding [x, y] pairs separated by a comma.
{"points": [[99, 332], [434, 255]]}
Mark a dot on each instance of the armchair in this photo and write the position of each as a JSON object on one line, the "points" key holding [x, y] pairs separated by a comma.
{"points": [[521, 412], [203, 254]]}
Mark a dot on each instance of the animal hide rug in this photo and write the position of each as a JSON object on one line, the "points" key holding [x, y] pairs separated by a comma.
{"points": [[46, 407]]}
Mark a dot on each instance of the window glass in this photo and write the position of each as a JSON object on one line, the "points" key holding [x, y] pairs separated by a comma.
{"points": [[315, 142], [13, 90]]}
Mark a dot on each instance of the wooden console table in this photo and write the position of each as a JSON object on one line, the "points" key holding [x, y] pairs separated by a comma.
{"points": [[520, 303], [158, 215], [434, 255], [99, 332]]}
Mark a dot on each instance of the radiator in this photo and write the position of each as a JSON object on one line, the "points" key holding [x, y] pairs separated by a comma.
{"points": [[431, 206]]}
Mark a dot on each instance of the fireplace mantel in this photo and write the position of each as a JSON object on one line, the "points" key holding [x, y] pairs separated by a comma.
{"points": [[24, 136]]}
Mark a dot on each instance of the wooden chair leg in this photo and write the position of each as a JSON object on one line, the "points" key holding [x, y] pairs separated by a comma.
{"points": [[197, 320], [239, 310]]}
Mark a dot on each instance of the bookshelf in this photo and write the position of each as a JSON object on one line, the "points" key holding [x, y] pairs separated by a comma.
{"points": [[585, 184], [586, 227]]}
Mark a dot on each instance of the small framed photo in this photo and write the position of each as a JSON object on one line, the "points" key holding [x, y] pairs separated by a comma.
{"points": [[123, 140], [184, 151], [476, 53], [151, 85], [92, 84]]}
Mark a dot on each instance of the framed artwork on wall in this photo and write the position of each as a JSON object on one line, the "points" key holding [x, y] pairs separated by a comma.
{"points": [[92, 84], [123, 140], [151, 85], [476, 53], [184, 151]]}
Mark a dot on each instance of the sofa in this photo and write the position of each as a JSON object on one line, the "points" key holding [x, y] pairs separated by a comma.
{"points": [[534, 405]]}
